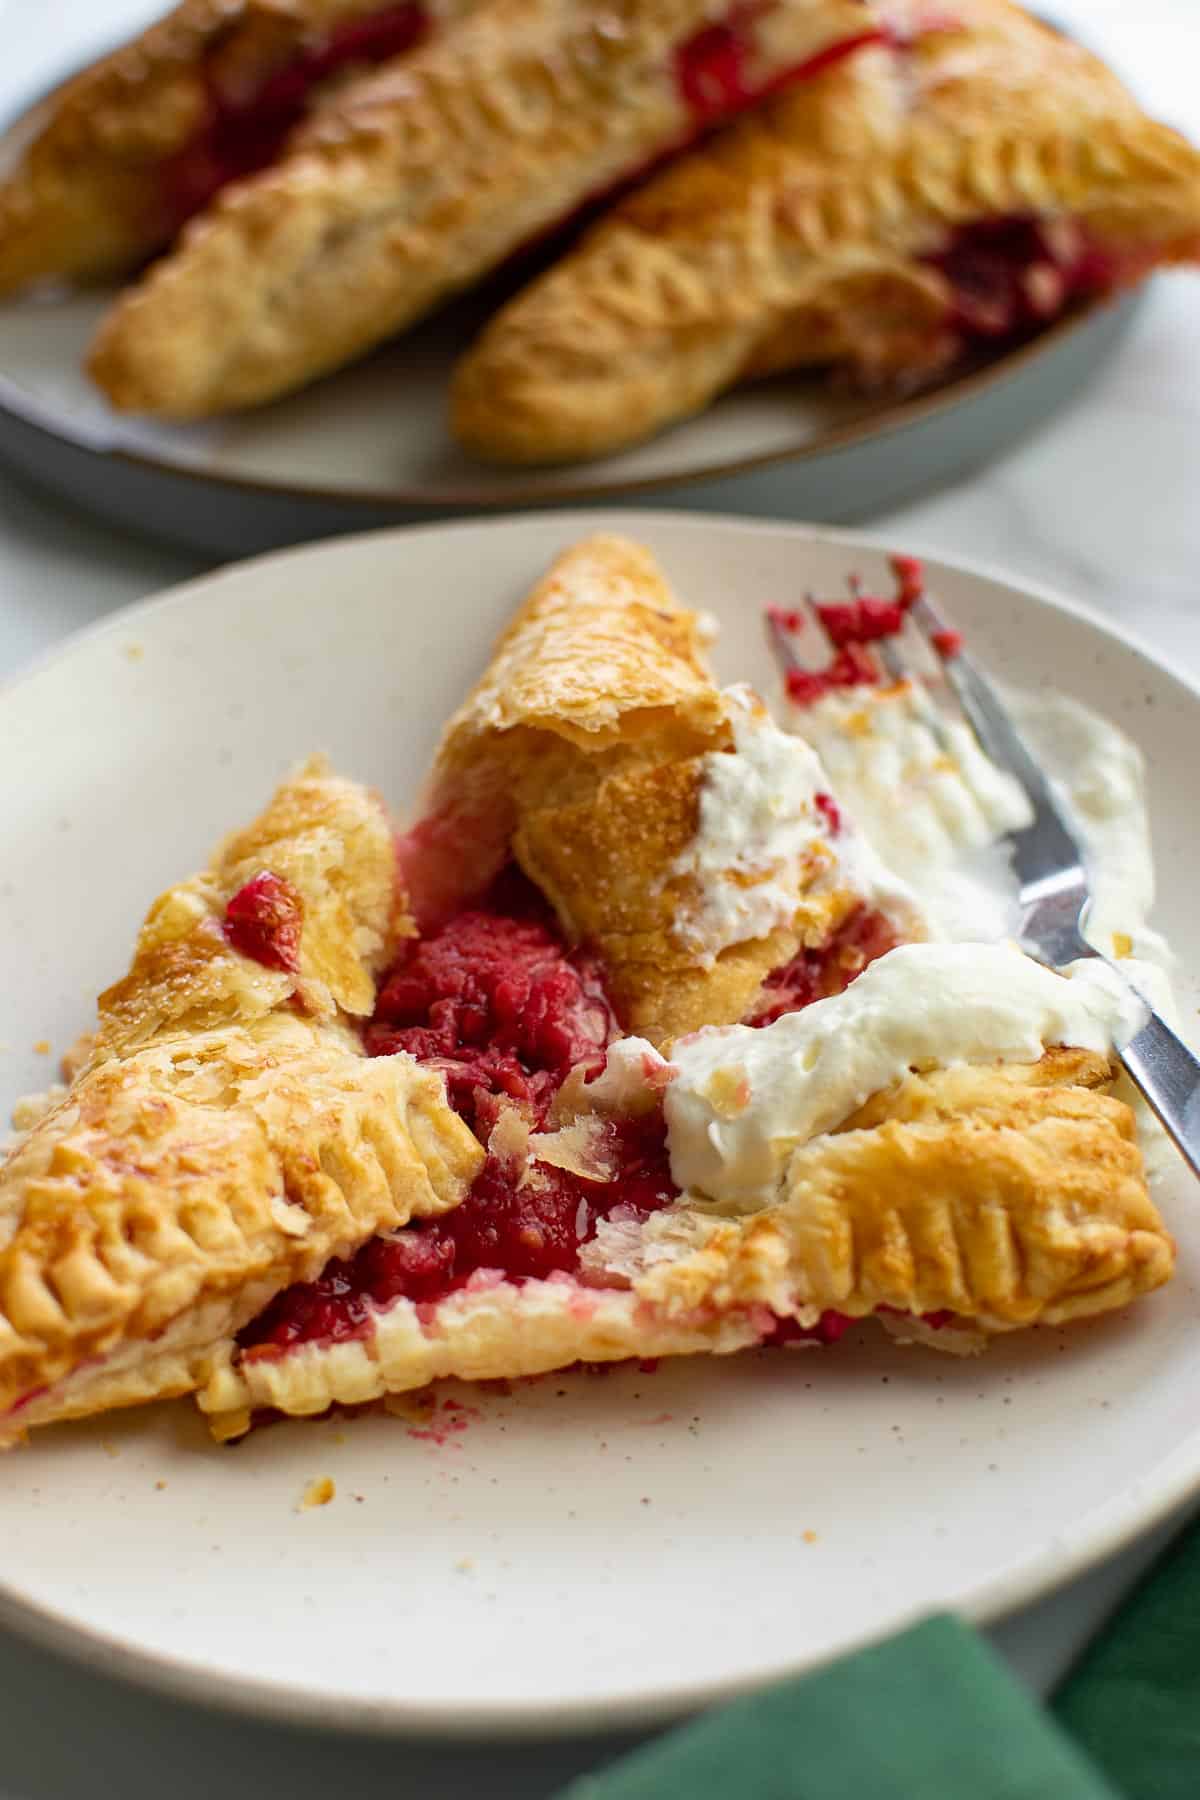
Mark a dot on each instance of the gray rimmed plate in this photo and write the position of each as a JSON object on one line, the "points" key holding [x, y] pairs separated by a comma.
{"points": [[370, 446]]}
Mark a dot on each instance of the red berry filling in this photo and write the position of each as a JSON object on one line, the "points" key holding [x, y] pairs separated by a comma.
{"points": [[829, 810], [716, 79], [848, 626], [851, 667], [860, 621], [909, 572], [264, 920], [714, 73], [1012, 275], [496, 1002], [828, 1329], [818, 974], [244, 132]]}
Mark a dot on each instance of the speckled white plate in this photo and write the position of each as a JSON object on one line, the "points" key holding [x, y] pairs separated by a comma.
{"points": [[586, 1551]]}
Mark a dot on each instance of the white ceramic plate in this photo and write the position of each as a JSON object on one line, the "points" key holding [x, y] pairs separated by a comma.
{"points": [[587, 1551], [370, 446]]}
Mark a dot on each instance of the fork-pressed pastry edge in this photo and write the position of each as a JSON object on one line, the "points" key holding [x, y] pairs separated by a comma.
{"points": [[802, 236], [1005, 1196], [412, 185]]}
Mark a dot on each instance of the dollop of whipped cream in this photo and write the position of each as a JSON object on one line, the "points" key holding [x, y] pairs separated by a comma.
{"points": [[743, 1099], [923, 794], [762, 840]]}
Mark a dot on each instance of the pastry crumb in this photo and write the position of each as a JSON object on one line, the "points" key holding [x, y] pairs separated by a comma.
{"points": [[135, 652], [810, 1537], [1122, 944], [414, 1406], [318, 1493], [160, 1487], [465, 1565], [339, 1437], [42, 1047], [31, 1109], [109, 1448]]}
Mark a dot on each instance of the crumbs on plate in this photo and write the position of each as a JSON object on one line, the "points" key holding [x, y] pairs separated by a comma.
{"points": [[318, 1493]]}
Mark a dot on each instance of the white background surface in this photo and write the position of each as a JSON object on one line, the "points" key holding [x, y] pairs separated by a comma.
{"points": [[1104, 505]]}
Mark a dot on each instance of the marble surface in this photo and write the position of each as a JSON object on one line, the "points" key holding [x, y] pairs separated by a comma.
{"points": [[1103, 506]]}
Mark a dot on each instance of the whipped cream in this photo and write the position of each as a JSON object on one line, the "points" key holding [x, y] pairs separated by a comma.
{"points": [[935, 815], [762, 841], [743, 1099], [920, 795], [1101, 777]]}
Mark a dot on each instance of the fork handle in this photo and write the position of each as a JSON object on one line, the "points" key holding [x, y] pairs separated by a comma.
{"points": [[1168, 1075]]}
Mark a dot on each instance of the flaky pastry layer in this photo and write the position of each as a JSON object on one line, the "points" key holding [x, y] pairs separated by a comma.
{"points": [[227, 1135], [801, 236], [1005, 1195], [582, 751]]}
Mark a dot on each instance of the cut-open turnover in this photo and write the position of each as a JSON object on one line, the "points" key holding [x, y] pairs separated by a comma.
{"points": [[629, 1046]]}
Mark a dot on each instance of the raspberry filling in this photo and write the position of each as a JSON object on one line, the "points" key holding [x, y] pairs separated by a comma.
{"points": [[1012, 275], [244, 132], [264, 920], [818, 974], [715, 77], [849, 625], [713, 68], [495, 1002]]}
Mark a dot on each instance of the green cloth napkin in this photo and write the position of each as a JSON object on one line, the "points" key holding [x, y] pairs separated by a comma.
{"points": [[930, 1715], [1133, 1699]]}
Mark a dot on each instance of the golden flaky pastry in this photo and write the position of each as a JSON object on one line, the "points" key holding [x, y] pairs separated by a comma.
{"points": [[412, 184], [115, 161], [227, 1135], [593, 750], [958, 1205], [909, 203]]}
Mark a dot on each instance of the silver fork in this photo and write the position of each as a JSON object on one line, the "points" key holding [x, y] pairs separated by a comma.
{"points": [[1053, 887]]}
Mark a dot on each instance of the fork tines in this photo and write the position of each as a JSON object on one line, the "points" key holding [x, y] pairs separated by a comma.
{"points": [[868, 637]]}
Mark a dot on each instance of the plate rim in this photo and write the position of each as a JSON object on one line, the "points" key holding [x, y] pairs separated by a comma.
{"points": [[539, 493], [1114, 1525], [905, 412]]}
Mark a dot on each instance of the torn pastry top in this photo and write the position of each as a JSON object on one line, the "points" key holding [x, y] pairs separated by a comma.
{"points": [[671, 826], [302, 905]]}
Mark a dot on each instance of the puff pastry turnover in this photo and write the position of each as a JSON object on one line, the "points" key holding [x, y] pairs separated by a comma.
{"points": [[113, 163], [227, 1135], [340, 1134], [955, 1206], [412, 184], [908, 203], [672, 827]]}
